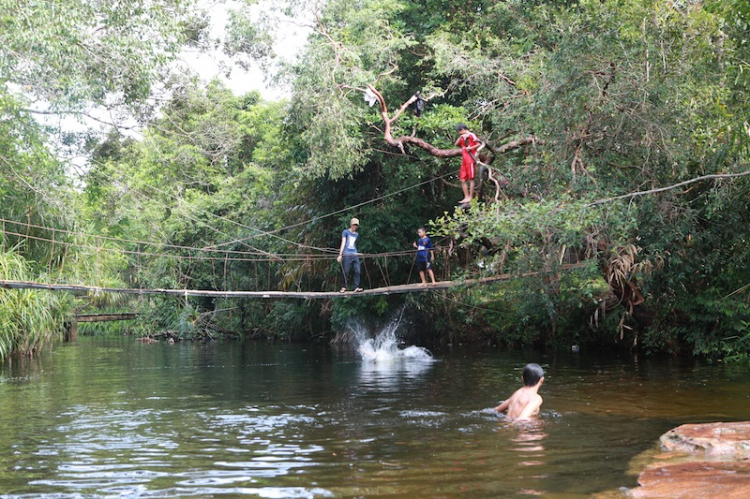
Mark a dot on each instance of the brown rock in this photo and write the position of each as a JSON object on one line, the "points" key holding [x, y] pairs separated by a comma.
{"points": [[713, 439], [694, 480], [710, 460]]}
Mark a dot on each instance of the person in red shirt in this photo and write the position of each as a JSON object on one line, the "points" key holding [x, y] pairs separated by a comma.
{"points": [[469, 143]]}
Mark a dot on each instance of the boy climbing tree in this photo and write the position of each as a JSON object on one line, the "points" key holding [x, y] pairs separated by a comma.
{"points": [[469, 143]]}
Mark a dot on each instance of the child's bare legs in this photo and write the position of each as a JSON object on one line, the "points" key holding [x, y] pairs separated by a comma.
{"points": [[465, 188], [432, 277], [468, 189], [421, 276]]}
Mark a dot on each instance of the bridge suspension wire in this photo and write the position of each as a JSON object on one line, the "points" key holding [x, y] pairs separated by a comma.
{"points": [[114, 239], [214, 248], [337, 212], [280, 257], [206, 224], [281, 229]]}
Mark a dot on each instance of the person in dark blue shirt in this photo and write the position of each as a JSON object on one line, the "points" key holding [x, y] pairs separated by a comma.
{"points": [[348, 253], [425, 256]]}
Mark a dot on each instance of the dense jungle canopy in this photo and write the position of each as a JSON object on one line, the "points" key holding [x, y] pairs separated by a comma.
{"points": [[616, 132]]}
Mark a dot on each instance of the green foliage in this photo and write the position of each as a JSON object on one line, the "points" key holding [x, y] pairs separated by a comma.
{"points": [[358, 43], [65, 57], [72, 53], [619, 97], [29, 318]]}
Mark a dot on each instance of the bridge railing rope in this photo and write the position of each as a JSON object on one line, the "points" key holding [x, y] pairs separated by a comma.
{"points": [[267, 267]]}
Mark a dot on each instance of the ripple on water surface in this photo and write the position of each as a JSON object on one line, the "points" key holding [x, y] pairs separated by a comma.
{"points": [[287, 421]]}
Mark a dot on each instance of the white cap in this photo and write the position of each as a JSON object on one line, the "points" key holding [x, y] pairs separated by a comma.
{"points": [[355, 221]]}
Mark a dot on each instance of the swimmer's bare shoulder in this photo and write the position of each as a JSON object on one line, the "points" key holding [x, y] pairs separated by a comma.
{"points": [[506, 404], [525, 402], [530, 409]]}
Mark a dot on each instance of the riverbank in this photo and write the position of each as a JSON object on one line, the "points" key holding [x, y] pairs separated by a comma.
{"points": [[699, 460]]}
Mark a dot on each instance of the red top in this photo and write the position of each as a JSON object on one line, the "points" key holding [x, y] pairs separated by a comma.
{"points": [[470, 140]]}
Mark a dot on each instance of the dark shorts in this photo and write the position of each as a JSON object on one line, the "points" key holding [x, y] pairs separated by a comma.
{"points": [[422, 266]]}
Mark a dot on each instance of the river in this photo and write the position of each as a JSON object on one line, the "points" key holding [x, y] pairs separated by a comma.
{"points": [[109, 417]]}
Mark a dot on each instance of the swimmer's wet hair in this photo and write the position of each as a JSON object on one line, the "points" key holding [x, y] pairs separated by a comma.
{"points": [[532, 373]]}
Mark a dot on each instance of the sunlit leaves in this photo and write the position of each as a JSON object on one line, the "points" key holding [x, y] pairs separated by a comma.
{"points": [[355, 44], [74, 52]]}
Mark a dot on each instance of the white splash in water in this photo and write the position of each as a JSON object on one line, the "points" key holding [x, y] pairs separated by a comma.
{"points": [[384, 347]]}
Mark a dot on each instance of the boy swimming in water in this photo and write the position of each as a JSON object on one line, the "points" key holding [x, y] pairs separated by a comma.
{"points": [[525, 402]]}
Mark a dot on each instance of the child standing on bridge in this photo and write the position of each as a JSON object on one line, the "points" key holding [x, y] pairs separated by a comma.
{"points": [[425, 256], [469, 143], [348, 253]]}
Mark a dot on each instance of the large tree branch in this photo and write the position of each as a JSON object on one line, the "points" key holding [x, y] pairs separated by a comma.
{"points": [[669, 187], [423, 144], [135, 128]]}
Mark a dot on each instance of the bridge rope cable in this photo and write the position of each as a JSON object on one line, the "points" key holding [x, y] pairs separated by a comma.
{"points": [[272, 258], [281, 229], [214, 215], [337, 212], [118, 240], [669, 187], [214, 248], [58, 285]]}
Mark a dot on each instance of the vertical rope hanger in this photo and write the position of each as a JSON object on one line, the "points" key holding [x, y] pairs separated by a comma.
{"points": [[413, 262], [62, 261], [138, 266], [380, 268], [226, 265], [369, 281], [52, 254]]}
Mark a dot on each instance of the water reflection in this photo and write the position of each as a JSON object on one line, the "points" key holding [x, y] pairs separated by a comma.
{"points": [[529, 445], [107, 419], [387, 376]]}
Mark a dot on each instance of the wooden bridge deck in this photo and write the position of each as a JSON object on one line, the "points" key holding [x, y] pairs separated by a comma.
{"points": [[308, 295], [127, 316]]}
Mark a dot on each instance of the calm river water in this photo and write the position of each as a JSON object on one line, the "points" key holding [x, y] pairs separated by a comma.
{"points": [[115, 418]]}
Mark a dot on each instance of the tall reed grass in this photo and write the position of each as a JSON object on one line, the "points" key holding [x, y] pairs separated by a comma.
{"points": [[29, 318]]}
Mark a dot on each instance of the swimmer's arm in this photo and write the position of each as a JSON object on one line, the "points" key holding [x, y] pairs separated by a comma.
{"points": [[503, 406]]}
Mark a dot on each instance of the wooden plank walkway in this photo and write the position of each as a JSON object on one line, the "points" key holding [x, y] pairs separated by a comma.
{"points": [[128, 316], [307, 295]]}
